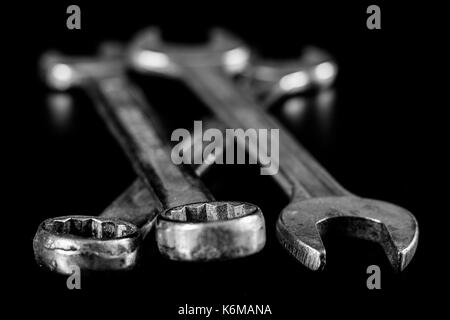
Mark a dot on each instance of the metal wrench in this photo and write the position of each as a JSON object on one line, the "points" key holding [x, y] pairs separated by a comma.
{"points": [[194, 226], [317, 200], [137, 204], [241, 224]]}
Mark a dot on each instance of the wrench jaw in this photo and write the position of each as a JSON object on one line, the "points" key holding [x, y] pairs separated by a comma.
{"points": [[302, 238], [210, 231], [90, 243], [149, 54], [301, 224]]}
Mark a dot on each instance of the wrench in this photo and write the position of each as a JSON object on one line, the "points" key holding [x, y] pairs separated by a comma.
{"points": [[111, 241], [200, 225], [137, 204], [317, 200], [194, 226]]}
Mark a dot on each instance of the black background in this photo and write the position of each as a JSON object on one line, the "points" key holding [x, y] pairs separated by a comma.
{"points": [[378, 142]]}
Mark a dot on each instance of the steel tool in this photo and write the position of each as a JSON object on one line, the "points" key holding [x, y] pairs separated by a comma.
{"points": [[317, 200], [189, 231], [194, 226]]}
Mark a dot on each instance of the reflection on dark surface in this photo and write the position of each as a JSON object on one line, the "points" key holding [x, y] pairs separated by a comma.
{"points": [[324, 105], [294, 109], [60, 109], [310, 117], [318, 108]]}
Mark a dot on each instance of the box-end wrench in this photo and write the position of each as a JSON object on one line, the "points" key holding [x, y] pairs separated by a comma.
{"points": [[94, 243], [317, 200], [112, 240], [108, 242], [194, 226]]}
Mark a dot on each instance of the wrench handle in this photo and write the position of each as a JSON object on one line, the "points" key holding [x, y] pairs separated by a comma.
{"points": [[138, 205], [299, 173], [130, 119]]}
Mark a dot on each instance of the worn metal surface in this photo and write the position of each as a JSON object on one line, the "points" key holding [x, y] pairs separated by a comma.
{"points": [[299, 174], [233, 230], [137, 207], [87, 242]]}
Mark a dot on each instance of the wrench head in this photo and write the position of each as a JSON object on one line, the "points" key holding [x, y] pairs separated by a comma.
{"points": [[90, 243], [301, 223], [272, 79], [150, 54], [208, 231], [62, 73]]}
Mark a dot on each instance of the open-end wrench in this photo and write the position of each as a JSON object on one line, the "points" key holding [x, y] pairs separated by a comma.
{"points": [[268, 80], [210, 230], [317, 200]]}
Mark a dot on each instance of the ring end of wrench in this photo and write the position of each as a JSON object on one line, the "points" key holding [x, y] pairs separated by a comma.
{"points": [[211, 231], [90, 243]]}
